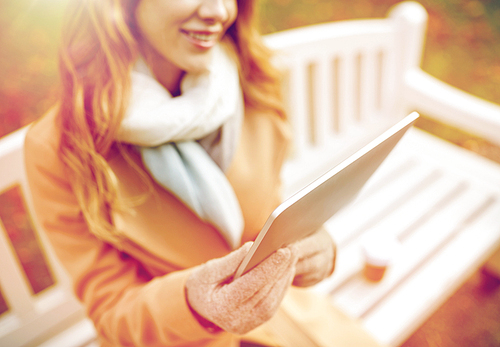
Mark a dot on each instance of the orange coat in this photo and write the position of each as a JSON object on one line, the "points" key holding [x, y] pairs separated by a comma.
{"points": [[134, 290]]}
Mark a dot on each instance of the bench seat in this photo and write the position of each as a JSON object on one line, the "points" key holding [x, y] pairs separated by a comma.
{"points": [[442, 203]]}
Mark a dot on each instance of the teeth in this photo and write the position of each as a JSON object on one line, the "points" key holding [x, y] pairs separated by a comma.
{"points": [[202, 37]]}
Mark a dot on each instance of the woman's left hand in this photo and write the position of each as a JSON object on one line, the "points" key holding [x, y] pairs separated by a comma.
{"points": [[316, 258]]}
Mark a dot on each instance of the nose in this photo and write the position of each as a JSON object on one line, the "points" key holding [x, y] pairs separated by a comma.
{"points": [[213, 11]]}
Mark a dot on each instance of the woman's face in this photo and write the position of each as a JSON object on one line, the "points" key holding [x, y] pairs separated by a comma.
{"points": [[182, 32]]}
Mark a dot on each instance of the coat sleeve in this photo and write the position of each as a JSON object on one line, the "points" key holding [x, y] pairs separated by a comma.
{"points": [[127, 306]]}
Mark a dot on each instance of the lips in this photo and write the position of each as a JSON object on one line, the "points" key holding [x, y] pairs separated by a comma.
{"points": [[202, 39]]}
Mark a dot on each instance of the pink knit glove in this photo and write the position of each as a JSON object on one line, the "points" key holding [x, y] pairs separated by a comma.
{"points": [[243, 304], [316, 255]]}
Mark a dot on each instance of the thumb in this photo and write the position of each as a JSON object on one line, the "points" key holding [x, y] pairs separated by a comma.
{"points": [[220, 269]]}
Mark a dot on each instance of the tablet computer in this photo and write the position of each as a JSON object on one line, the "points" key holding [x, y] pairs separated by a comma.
{"points": [[305, 212]]}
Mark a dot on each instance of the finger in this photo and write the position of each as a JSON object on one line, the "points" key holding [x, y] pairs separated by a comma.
{"points": [[316, 266], [267, 301], [250, 314], [313, 244], [306, 280], [284, 276], [312, 264], [245, 315], [220, 269], [311, 274], [267, 272]]}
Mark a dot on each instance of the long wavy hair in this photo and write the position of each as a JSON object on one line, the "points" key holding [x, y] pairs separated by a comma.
{"points": [[99, 47]]}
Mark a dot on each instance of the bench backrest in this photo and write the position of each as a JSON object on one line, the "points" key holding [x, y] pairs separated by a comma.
{"points": [[343, 80]]}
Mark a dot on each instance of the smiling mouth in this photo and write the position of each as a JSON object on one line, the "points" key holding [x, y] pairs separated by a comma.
{"points": [[203, 39], [203, 36]]}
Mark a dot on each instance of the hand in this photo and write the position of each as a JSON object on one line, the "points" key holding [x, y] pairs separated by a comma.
{"points": [[247, 302], [316, 261]]}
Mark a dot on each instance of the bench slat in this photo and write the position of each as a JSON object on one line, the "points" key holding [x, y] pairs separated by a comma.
{"points": [[358, 296], [397, 317], [440, 205]]}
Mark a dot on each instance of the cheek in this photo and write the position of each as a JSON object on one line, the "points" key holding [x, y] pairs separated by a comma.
{"points": [[152, 19], [147, 20], [232, 9]]}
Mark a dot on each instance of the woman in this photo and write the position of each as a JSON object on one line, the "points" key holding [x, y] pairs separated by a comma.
{"points": [[158, 164]]}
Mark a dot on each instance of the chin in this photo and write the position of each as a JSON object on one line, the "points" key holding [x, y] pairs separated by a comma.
{"points": [[198, 64]]}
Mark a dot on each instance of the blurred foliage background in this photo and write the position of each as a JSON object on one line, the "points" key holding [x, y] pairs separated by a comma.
{"points": [[463, 37], [462, 48]]}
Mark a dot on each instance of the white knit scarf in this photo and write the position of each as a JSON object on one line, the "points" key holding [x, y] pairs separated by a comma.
{"points": [[188, 141]]}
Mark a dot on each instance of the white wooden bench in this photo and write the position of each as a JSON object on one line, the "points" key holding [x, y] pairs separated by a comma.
{"points": [[345, 82], [441, 202]]}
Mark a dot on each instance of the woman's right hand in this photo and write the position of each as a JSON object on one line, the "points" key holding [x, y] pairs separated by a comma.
{"points": [[243, 304]]}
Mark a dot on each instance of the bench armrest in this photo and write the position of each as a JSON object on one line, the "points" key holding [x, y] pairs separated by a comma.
{"points": [[451, 105]]}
